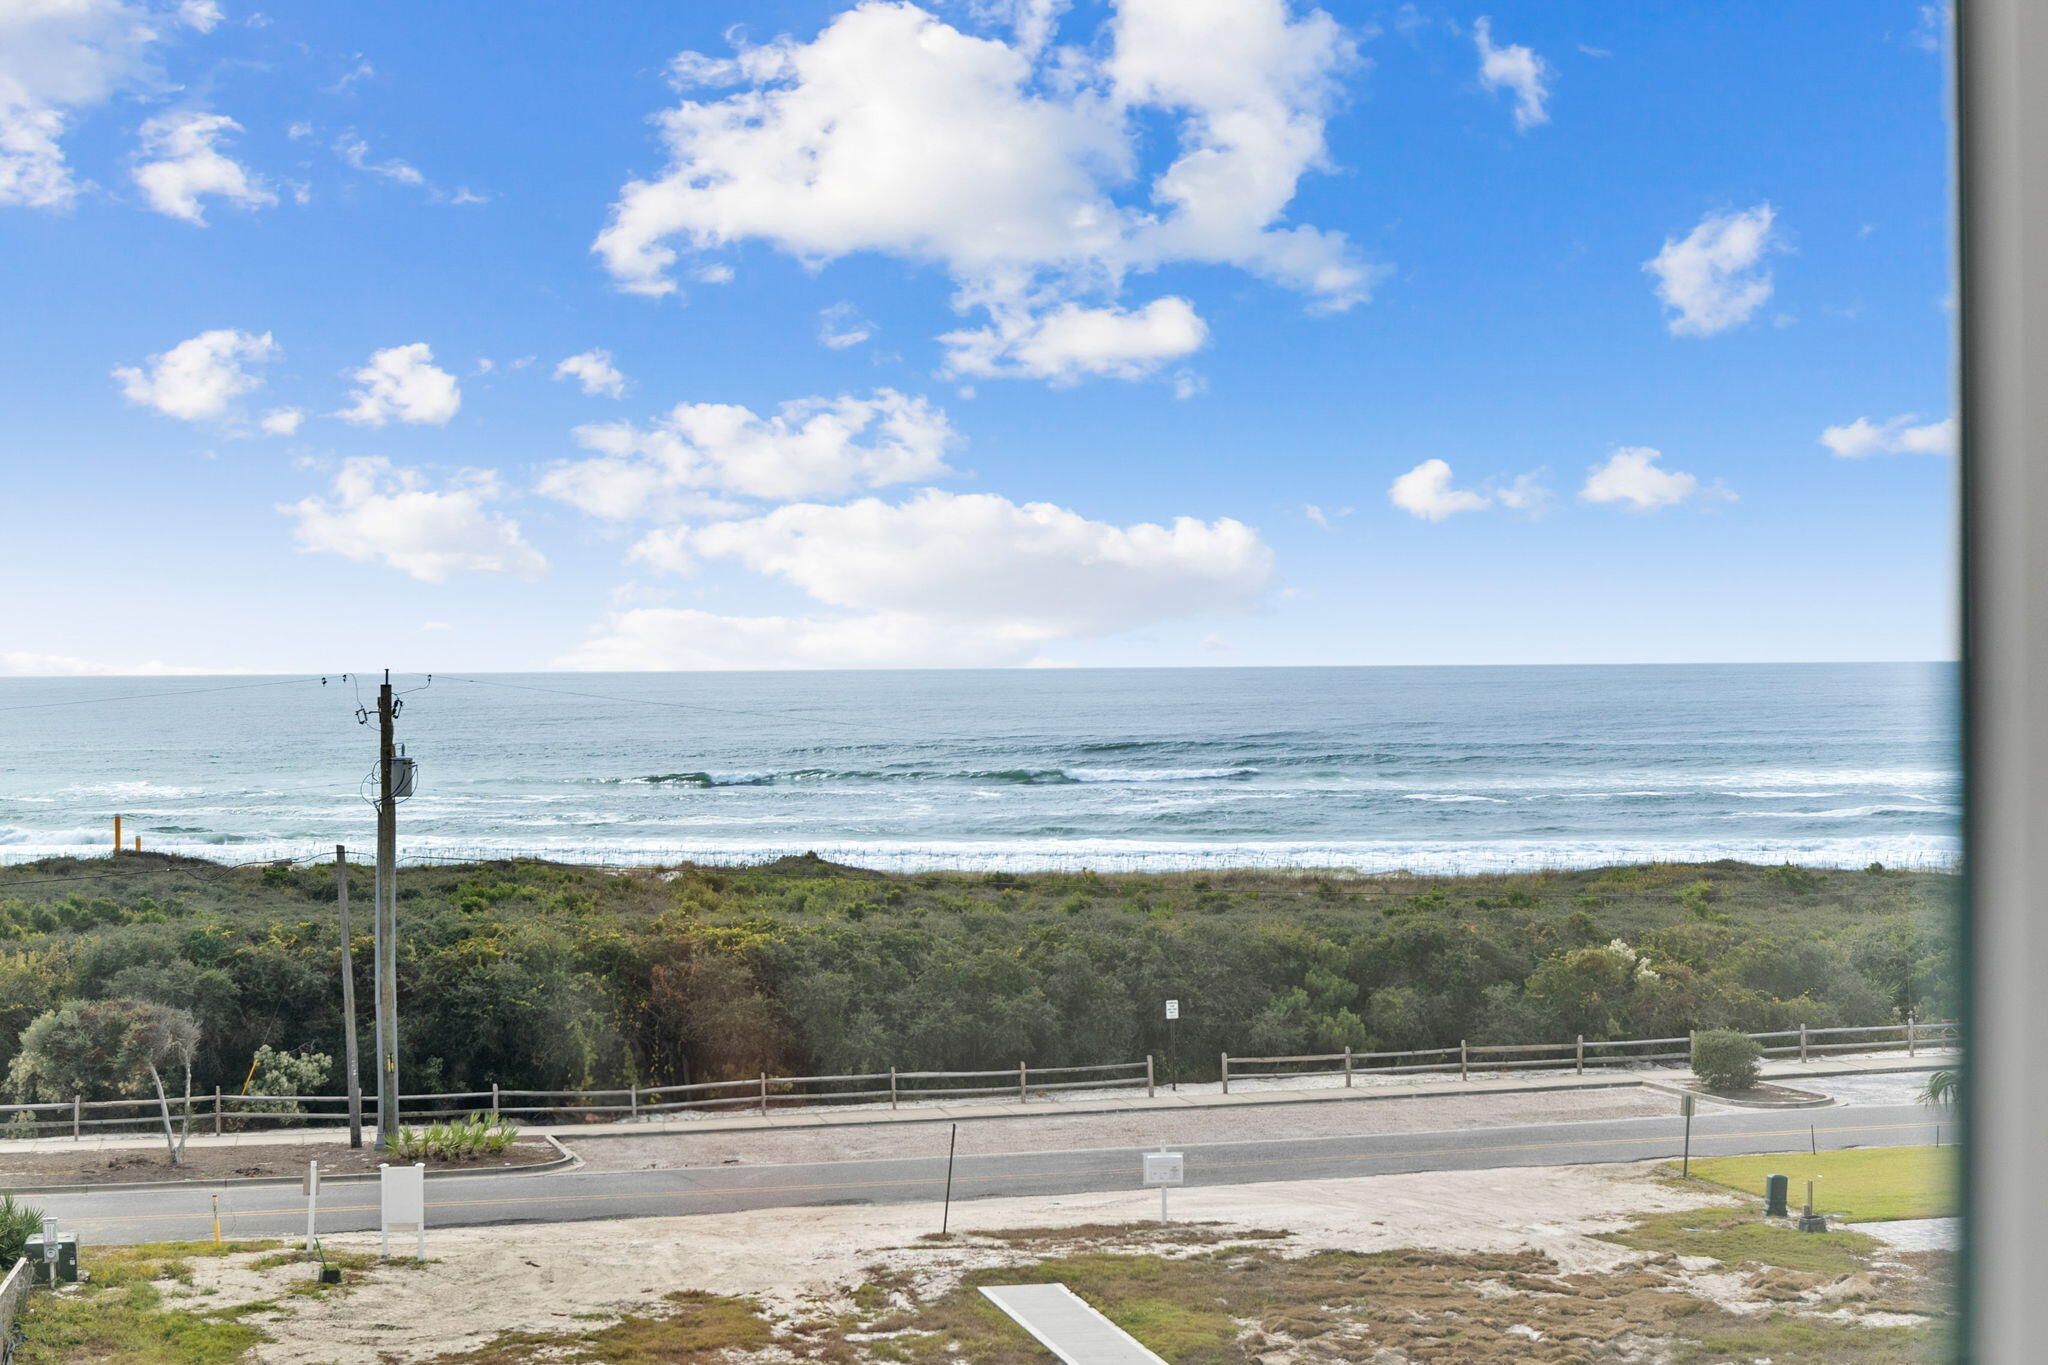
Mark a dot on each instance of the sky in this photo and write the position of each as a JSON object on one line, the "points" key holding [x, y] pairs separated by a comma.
{"points": [[975, 333]]}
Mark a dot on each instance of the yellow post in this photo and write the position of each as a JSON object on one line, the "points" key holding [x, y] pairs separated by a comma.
{"points": [[117, 834], [216, 1220], [138, 843]]}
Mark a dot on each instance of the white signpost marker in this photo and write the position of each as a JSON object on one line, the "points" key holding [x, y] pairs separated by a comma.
{"points": [[1172, 1018], [1164, 1169], [403, 1203], [312, 1199]]}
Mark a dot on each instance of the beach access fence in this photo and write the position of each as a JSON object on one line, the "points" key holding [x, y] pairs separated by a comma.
{"points": [[1802, 1043], [221, 1112]]}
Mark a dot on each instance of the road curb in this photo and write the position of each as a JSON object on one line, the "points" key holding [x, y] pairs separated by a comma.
{"points": [[565, 1160]]}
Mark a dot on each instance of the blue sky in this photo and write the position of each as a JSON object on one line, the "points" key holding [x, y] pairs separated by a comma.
{"points": [[288, 291]]}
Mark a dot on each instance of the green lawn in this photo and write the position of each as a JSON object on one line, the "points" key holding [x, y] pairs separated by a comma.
{"points": [[1864, 1186]]}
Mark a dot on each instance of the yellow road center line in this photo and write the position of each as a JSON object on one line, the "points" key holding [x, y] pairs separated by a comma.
{"points": [[721, 1191]]}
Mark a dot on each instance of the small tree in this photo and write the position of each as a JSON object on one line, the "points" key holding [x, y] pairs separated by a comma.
{"points": [[1944, 1089], [1725, 1060], [102, 1049]]}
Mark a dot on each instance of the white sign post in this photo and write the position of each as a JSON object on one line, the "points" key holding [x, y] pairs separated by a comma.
{"points": [[403, 1203], [312, 1200], [1173, 1009], [1164, 1169]]}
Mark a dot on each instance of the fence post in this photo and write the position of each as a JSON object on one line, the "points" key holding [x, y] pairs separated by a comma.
{"points": [[74, 1119], [1464, 1058], [764, 1094], [1347, 1067], [216, 1111], [1148, 1075], [494, 1097], [892, 1087], [1911, 1050], [1802, 1042], [1023, 1090], [633, 1102], [1579, 1056], [1226, 1073]]}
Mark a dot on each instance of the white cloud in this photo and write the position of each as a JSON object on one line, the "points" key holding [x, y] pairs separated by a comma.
{"points": [[1044, 570], [403, 382], [1631, 475], [1904, 434], [202, 15], [810, 447], [181, 161], [56, 57], [943, 580], [199, 378], [376, 514], [1324, 517], [1526, 494], [1069, 343], [841, 326], [1713, 278], [1010, 167], [669, 638], [17, 663], [1517, 69], [595, 372], [1425, 491], [356, 152], [282, 421]]}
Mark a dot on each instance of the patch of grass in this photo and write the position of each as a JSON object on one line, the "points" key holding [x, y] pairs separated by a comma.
{"points": [[1864, 1185], [1226, 1306], [1739, 1236], [126, 1326], [691, 1328], [1785, 1340]]}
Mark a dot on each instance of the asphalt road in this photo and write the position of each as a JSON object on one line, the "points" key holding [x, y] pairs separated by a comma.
{"points": [[116, 1215]]}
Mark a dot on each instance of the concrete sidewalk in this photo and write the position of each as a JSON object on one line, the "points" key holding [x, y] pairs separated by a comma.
{"points": [[1208, 1095]]}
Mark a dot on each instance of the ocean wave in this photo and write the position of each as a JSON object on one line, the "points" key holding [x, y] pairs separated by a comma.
{"points": [[1017, 776], [1844, 813], [1432, 796]]}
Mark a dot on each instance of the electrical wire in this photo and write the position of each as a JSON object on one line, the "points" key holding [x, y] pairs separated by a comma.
{"points": [[187, 692]]}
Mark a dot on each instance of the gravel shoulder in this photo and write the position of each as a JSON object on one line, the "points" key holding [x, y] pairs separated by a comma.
{"points": [[1051, 1131], [134, 1165]]}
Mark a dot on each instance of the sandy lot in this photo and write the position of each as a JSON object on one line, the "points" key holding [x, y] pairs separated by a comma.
{"points": [[483, 1281], [1052, 1131]]}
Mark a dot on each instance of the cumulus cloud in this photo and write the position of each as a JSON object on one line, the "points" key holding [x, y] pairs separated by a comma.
{"points": [[941, 580], [282, 421], [1425, 491], [1069, 343], [55, 59], [1517, 69], [202, 15], [1713, 278], [594, 371], [402, 382], [1011, 167], [376, 514], [809, 447], [1632, 476], [1904, 434], [200, 378], [181, 161]]}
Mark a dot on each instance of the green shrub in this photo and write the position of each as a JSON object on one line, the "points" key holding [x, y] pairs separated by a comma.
{"points": [[456, 1140], [18, 1223], [1725, 1060]]}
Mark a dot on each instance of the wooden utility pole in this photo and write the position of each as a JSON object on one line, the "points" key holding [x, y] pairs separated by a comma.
{"points": [[348, 1000], [387, 922]]}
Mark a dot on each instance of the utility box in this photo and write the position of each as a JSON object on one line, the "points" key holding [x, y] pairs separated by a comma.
{"points": [[1776, 1190], [41, 1264]]}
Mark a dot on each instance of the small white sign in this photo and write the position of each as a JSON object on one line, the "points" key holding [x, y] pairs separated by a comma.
{"points": [[1173, 1009], [402, 1192], [1164, 1168]]}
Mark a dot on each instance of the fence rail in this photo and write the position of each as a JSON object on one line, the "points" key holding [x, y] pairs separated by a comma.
{"points": [[1579, 1054], [221, 1112]]}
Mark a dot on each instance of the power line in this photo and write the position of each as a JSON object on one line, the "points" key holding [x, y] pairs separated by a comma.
{"points": [[144, 696]]}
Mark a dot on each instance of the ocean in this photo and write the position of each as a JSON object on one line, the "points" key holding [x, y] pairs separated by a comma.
{"points": [[1423, 769]]}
